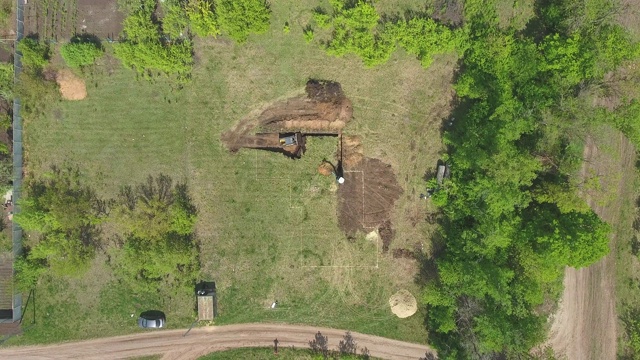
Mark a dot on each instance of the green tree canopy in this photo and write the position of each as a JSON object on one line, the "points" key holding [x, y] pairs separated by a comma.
{"points": [[512, 215], [240, 18], [202, 18], [147, 51], [157, 220], [35, 54], [64, 214], [81, 51]]}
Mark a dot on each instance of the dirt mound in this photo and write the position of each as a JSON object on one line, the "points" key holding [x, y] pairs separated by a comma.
{"points": [[307, 115], [324, 109], [325, 169], [403, 304], [386, 234], [71, 86], [352, 152], [373, 236], [368, 195], [324, 91]]}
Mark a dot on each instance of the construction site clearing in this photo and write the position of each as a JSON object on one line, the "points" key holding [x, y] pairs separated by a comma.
{"points": [[323, 110], [368, 187]]}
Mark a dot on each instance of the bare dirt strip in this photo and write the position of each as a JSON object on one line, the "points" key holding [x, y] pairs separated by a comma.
{"points": [[201, 341], [584, 326]]}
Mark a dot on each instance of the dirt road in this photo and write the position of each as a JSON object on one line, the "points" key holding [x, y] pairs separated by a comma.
{"points": [[201, 341], [585, 325]]}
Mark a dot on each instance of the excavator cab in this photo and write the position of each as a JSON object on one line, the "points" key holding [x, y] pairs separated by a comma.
{"points": [[289, 139]]}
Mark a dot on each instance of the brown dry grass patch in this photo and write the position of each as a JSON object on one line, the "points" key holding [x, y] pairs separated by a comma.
{"points": [[72, 87]]}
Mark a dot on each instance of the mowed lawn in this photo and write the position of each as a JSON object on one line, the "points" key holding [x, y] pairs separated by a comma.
{"points": [[267, 225]]}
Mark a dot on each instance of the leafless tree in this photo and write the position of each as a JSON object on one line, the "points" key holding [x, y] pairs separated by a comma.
{"points": [[347, 345], [428, 356], [320, 344]]}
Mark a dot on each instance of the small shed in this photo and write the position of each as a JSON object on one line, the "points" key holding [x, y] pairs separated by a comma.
{"points": [[207, 301]]}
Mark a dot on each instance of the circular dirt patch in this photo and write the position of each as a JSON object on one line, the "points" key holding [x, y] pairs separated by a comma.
{"points": [[325, 169], [403, 304], [71, 86], [373, 236]]}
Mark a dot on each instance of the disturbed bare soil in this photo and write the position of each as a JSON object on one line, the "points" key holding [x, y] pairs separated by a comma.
{"points": [[201, 341], [323, 109], [367, 197], [584, 326]]}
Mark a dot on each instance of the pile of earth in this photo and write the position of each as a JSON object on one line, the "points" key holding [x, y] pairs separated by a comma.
{"points": [[323, 109], [403, 304]]}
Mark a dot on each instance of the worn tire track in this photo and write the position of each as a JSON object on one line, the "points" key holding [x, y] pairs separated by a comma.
{"points": [[201, 341]]}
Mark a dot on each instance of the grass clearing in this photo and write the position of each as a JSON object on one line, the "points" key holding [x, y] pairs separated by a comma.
{"points": [[265, 222]]}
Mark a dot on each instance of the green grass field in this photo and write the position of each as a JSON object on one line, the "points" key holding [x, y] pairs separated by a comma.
{"points": [[267, 225]]}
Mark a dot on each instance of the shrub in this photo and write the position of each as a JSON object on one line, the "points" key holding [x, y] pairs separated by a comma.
{"points": [[322, 19], [34, 53], [6, 81], [35, 93], [148, 57], [64, 214], [27, 272], [6, 172], [354, 32], [81, 51], [5, 122], [6, 10], [240, 18], [425, 38], [145, 50], [308, 34], [175, 21], [158, 221], [202, 18]]}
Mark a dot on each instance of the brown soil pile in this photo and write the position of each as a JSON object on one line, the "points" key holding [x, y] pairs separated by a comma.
{"points": [[352, 152], [386, 234], [324, 109], [71, 86], [403, 304], [373, 236], [367, 197], [325, 169]]}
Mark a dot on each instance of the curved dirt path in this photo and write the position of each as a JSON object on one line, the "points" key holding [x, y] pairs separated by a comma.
{"points": [[584, 327], [201, 341]]}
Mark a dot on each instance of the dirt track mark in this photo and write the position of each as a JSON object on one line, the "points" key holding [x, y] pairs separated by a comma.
{"points": [[202, 341], [585, 325]]}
